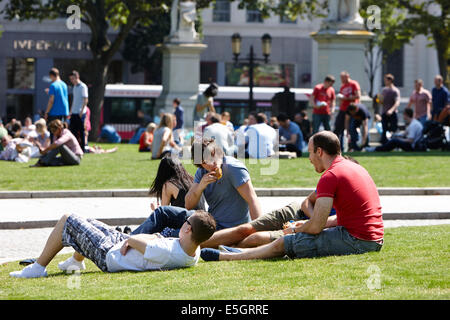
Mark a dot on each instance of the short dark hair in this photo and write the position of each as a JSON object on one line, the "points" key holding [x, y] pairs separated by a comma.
{"points": [[54, 72], [303, 113], [75, 74], [352, 107], [330, 78], [203, 226], [177, 101], [282, 117], [207, 147], [409, 112], [261, 118], [327, 141], [389, 76]]}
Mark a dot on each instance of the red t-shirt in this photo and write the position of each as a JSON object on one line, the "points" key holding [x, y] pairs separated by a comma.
{"points": [[326, 95], [142, 142], [349, 89], [355, 198]]}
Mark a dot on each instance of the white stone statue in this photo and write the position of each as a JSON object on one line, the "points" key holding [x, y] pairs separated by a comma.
{"points": [[344, 13], [182, 22]]}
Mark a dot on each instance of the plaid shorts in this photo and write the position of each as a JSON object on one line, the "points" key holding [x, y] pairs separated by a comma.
{"points": [[91, 238]]}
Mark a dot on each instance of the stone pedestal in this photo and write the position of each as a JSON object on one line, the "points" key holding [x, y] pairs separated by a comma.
{"points": [[180, 78], [340, 50]]}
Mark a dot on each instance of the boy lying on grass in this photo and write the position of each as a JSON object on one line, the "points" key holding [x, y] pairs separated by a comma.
{"points": [[113, 251]]}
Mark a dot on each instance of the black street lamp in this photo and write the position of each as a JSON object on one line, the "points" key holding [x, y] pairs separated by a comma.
{"points": [[236, 48]]}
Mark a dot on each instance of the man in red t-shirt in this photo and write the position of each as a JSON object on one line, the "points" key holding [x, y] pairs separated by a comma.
{"points": [[322, 99], [349, 93], [347, 187]]}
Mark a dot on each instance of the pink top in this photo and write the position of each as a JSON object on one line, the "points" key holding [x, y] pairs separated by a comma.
{"points": [[70, 141], [421, 100], [87, 120]]}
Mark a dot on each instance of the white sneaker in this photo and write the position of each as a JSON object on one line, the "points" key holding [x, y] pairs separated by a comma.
{"points": [[32, 271], [71, 264]]}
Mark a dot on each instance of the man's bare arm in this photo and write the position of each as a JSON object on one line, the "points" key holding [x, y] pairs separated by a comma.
{"points": [[319, 218], [248, 193]]}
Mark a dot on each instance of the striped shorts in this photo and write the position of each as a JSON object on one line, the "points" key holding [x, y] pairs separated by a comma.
{"points": [[91, 238]]}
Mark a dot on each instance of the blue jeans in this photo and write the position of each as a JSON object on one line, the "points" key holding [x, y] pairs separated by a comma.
{"points": [[330, 242], [67, 158], [319, 119], [354, 136], [162, 217], [422, 119]]}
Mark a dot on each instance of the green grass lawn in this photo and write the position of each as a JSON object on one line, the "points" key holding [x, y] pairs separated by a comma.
{"points": [[129, 169], [413, 264]]}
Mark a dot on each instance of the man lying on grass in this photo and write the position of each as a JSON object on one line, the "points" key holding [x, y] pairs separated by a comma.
{"points": [[344, 185], [114, 251]]}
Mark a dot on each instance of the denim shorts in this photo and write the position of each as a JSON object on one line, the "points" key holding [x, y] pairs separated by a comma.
{"points": [[91, 238], [330, 242]]}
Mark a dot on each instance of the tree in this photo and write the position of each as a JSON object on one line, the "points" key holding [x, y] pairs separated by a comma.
{"points": [[99, 16], [402, 20]]}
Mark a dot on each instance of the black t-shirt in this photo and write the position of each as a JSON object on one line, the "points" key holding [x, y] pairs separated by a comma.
{"points": [[305, 126], [362, 113]]}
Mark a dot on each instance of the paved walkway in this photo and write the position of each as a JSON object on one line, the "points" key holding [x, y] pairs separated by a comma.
{"points": [[41, 213]]}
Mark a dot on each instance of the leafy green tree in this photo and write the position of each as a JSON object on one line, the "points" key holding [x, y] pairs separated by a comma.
{"points": [[99, 16], [402, 20]]}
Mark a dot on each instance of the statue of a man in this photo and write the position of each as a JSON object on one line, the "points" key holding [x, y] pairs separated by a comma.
{"points": [[182, 21], [345, 11]]}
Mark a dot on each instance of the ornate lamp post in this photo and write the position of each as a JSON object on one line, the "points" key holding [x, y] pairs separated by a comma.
{"points": [[236, 49]]}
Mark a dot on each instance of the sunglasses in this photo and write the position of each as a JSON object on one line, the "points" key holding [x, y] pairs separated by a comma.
{"points": [[187, 221]]}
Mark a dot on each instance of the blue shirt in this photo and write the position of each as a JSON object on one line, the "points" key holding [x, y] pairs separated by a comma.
{"points": [[440, 97], [225, 203], [60, 107], [293, 129], [179, 114]]}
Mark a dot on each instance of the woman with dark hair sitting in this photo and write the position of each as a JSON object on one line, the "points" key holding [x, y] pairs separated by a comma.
{"points": [[171, 184]]}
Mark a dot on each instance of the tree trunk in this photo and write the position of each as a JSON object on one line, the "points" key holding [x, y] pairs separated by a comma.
{"points": [[96, 96], [442, 47]]}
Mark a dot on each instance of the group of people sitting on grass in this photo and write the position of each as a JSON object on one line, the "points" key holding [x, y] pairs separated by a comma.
{"points": [[56, 146], [342, 216]]}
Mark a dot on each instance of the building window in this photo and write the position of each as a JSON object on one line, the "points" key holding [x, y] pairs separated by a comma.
{"points": [[221, 11], [254, 16], [286, 19], [394, 65], [20, 73]]}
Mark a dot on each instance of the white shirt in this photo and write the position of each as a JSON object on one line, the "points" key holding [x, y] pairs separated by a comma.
{"points": [[80, 91], [161, 253], [414, 131], [261, 139], [222, 136]]}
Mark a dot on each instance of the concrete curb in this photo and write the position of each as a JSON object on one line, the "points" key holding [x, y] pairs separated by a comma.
{"points": [[261, 192], [136, 221]]}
